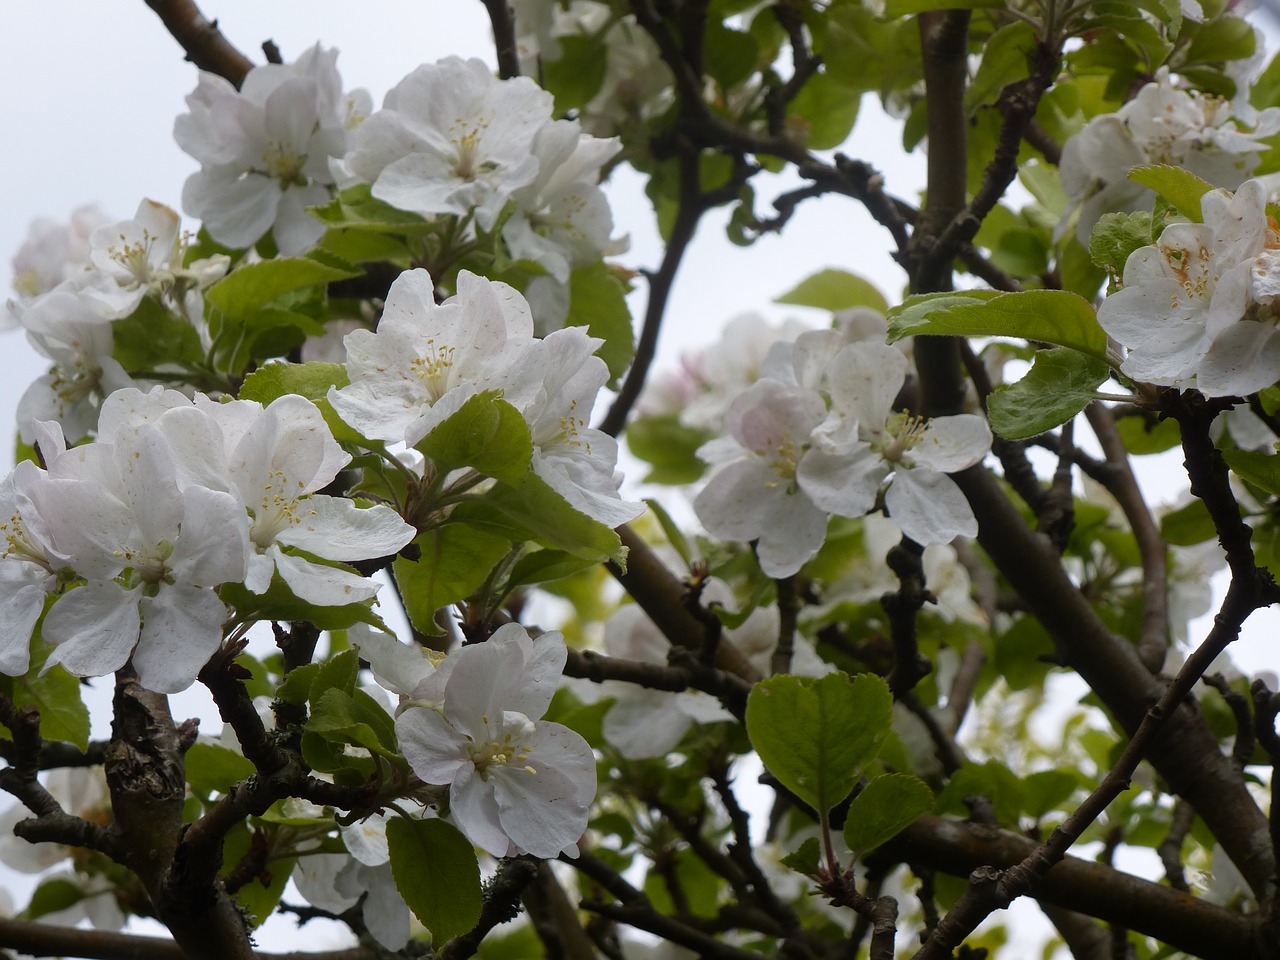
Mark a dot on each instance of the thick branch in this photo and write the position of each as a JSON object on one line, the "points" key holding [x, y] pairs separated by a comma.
{"points": [[504, 37], [204, 43], [47, 940]]}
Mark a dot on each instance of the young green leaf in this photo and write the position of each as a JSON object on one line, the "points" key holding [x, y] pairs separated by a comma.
{"points": [[246, 289], [1059, 385], [816, 735], [274, 380], [487, 434], [834, 290], [453, 561], [887, 805], [1052, 316], [1180, 187], [438, 875]]}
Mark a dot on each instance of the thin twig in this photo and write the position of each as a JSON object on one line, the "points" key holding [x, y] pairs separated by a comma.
{"points": [[504, 37]]}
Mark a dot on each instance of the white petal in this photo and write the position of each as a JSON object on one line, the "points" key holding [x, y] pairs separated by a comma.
{"points": [[928, 507], [95, 628]]}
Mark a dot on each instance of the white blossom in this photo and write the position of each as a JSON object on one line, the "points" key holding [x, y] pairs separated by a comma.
{"points": [[517, 784]]}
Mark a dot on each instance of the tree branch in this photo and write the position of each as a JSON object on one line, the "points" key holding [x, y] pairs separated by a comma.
{"points": [[503, 21], [204, 43]]}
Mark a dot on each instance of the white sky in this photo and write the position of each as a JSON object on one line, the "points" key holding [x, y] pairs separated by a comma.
{"points": [[92, 89]]}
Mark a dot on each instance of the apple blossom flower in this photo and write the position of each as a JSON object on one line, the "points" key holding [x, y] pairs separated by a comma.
{"points": [[427, 359], [1199, 308], [273, 459], [71, 332], [29, 565], [52, 254], [555, 387], [762, 492], [265, 149], [1162, 124], [336, 882], [150, 552], [914, 453], [562, 218], [517, 784], [452, 139], [144, 256]]}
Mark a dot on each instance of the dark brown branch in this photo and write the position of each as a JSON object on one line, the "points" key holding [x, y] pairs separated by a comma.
{"points": [[910, 666], [1085, 938], [504, 37], [47, 940], [1170, 848], [684, 673], [689, 214], [1153, 641], [1184, 922], [788, 611], [501, 903], [204, 43]]}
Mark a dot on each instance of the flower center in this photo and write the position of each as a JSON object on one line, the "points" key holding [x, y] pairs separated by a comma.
{"points": [[433, 368], [284, 163], [902, 432]]}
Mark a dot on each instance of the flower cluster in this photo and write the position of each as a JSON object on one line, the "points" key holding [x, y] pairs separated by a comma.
{"points": [[1162, 124], [265, 149], [819, 436], [427, 359], [74, 281], [136, 531], [452, 140], [1199, 308], [472, 720]]}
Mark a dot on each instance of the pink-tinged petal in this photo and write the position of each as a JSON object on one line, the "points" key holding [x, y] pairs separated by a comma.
{"points": [[474, 809], [181, 630], [336, 529], [435, 750], [94, 627], [844, 484], [864, 379], [952, 443], [770, 416], [928, 507], [792, 534]]}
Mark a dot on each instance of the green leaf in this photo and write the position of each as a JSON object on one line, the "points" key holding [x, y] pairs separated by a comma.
{"points": [[598, 301], [1051, 316], [56, 694], [833, 290], [453, 561], [575, 77], [152, 335], [1007, 56], [730, 55], [669, 447], [487, 434], [675, 536], [1180, 187], [436, 870], [1047, 790], [806, 858], [901, 8], [250, 287], [362, 246], [279, 603], [1141, 437], [1260, 469], [336, 673], [1059, 385], [356, 207], [544, 566], [886, 806], [1188, 525], [816, 735], [52, 896], [337, 715], [829, 110], [212, 768], [550, 520], [311, 380], [296, 687], [1116, 236]]}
